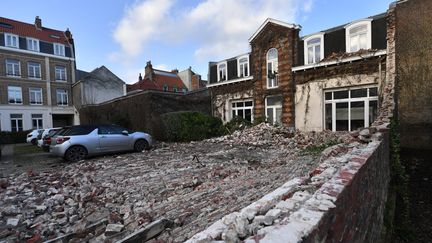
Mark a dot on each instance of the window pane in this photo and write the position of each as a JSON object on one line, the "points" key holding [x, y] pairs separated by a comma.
{"points": [[317, 53], [274, 100], [240, 104], [373, 111], [356, 93], [373, 91], [278, 115], [357, 115], [341, 94], [240, 113], [328, 117], [270, 115], [310, 55], [362, 41], [328, 95], [272, 54], [358, 29], [342, 116], [248, 103], [248, 115], [314, 41]]}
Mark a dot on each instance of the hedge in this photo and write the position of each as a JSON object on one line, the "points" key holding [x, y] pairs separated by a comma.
{"points": [[190, 126], [13, 137]]}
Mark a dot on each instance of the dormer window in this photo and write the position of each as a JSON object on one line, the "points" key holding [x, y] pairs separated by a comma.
{"points": [[314, 49], [272, 68], [32, 44], [243, 67], [358, 36], [11, 40], [222, 71], [59, 49]]}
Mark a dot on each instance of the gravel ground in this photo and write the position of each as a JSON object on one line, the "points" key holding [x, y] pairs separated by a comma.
{"points": [[191, 184]]}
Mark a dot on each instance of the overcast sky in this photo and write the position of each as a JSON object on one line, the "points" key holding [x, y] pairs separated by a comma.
{"points": [[124, 34]]}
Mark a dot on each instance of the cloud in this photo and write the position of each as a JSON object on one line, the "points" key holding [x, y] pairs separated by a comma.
{"points": [[217, 28]]}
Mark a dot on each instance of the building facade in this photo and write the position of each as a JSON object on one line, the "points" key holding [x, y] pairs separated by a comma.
{"points": [[37, 68], [326, 80], [97, 86]]}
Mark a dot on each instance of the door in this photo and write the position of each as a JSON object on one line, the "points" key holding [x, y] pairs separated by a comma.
{"points": [[111, 139]]}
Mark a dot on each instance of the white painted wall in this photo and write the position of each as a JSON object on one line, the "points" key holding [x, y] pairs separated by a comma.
{"points": [[309, 98]]}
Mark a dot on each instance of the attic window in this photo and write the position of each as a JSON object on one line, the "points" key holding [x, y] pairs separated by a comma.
{"points": [[6, 25], [314, 49], [222, 71], [243, 66], [359, 36]]}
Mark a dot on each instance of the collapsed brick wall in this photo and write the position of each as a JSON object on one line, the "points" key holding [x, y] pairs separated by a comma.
{"points": [[142, 111], [414, 72]]}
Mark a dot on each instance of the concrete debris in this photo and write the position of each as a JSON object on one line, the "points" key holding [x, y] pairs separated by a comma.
{"points": [[109, 198]]}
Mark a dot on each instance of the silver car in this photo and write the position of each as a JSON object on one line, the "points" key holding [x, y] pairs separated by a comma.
{"points": [[77, 142]]}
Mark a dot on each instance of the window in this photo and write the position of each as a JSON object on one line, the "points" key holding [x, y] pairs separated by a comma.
{"points": [[184, 90], [274, 109], [222, 72], [243, 67], [59, 49], [62, 97], [14, 95], [272, 68], [110, 129], [314, 49], [11, 40], [37, 121], [348, 110], [35, 96], [242, 109], [16, 122], [174, 89], [13, 67], [358, 36], [34, 70], [165, 88], [32, 44], [60, 73]]}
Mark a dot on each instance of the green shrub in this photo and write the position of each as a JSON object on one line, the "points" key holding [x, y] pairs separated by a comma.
{"points": [[190, 126], [13, 137], [237, 123]]}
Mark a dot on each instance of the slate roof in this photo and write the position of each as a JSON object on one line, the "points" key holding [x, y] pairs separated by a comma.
{"points": [[30, 30]]}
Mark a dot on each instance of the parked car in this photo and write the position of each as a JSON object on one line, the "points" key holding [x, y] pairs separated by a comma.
{"points": [[47, 139], [78, 142], [43, 134], [33, 135]]}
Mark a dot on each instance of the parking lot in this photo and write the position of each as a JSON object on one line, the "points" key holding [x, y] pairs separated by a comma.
{"points": [[191, 184]]}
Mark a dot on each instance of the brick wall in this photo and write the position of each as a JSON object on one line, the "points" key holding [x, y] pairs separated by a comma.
{"points": [[142, 111], [285, 41], [413, 30]]}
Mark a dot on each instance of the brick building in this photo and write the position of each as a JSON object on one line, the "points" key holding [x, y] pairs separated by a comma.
{"points": [[326, 80], [37, 68]]}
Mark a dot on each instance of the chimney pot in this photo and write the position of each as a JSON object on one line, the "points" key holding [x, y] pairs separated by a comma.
{"points": [[38, 22]]}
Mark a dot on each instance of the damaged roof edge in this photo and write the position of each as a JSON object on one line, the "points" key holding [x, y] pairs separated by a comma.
{"points": [[343, 60]]}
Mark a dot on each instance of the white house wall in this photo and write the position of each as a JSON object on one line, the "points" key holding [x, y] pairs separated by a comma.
{"points": [[222, 103], [309, 98]]}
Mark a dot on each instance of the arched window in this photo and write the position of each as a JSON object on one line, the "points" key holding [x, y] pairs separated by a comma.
{"points": [[272, 68], [243, 64], [314, 48], [358, 36]]}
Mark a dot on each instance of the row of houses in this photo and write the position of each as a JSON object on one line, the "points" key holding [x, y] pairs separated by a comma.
{"points": [[40, 86], [330, 79]]}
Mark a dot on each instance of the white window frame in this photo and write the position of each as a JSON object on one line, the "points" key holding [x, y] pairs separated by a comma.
{"points": [[306, 47], [62, 71], [225, 70], [244, 107], [11, 36], [14, 68], [165, 88], [274, 107], [31, 69], [59, 49], [349, 100], [63, 96], [39, 121], [272, 83], [241, 66], [16, 121], [37, 92], [16, 96], [368, 23], [32, 44]]}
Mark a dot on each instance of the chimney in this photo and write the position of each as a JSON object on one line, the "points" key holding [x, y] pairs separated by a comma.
{"points": [[140, 77], [148, 71], [68, 35], [175, 70], [38, 23]]}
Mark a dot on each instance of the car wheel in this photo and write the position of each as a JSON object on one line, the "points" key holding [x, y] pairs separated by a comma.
{"points": [[75, 153], [140, 145], [34, 141]]}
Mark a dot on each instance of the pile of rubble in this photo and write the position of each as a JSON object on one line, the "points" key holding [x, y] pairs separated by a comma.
{"points": [[192, 185]]}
